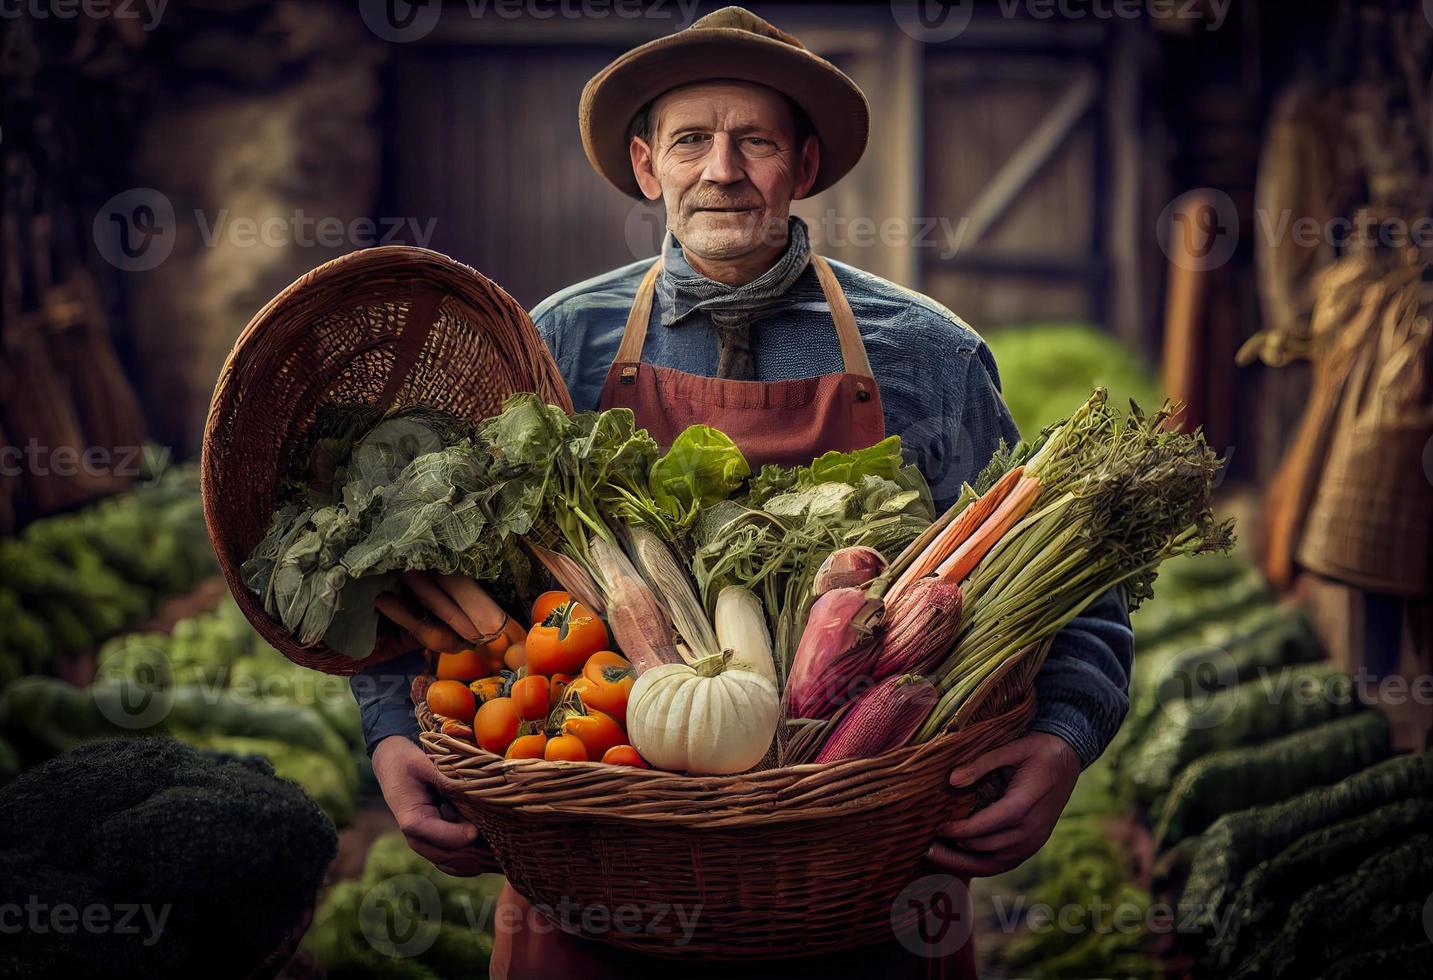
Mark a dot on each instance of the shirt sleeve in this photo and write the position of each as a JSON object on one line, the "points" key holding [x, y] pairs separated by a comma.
{"points": [[384, 695], [1082, 690]]}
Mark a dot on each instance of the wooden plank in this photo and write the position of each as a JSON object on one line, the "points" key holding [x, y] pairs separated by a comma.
{"points": [[1006, 262], [1030, 157]]}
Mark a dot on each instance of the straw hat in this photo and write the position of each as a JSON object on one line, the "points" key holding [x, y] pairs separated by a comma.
{"points": [[731, 43]]}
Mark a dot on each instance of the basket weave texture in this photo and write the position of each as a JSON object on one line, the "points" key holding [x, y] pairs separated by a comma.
{"points": [[393, 326], [770, 864]]}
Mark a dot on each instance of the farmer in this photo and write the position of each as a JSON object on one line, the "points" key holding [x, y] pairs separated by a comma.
{"points": [[738, 325]]}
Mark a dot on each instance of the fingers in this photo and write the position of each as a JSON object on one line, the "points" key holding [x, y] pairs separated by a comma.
{"points": [[970, 864], [999, 840], [422, 823], [479, 607], [434, 636], [440, 604], [1010, 754], [1007, 812]]}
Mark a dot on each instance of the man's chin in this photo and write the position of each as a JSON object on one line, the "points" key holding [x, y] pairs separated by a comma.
{"points": [[723, 239]]}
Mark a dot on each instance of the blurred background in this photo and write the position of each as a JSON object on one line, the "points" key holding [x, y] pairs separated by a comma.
{"points": [[1222, 201]]}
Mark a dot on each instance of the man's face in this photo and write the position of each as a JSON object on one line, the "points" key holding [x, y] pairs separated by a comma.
{"points": [[723, 158]]}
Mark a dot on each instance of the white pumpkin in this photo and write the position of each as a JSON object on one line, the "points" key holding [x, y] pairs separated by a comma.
{"points": [[706, 718]]}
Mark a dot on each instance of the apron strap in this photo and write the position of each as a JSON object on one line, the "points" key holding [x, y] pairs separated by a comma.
{"points": [[853, 351]]}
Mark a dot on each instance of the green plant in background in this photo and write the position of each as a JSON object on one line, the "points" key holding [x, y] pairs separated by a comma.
{"points": [[213, 683], [1046, 368], [72, 581], [404, 919]]}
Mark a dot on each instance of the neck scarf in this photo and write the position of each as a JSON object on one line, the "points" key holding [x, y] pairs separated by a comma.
{"points": [[682, 290]]}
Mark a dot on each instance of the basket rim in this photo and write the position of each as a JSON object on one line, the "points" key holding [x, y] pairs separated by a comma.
{"points": [[777, 795]]}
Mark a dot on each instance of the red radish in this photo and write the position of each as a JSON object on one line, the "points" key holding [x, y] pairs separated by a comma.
{"points": [[835, 654], [851, 567], [920, 628], [884, 718]]}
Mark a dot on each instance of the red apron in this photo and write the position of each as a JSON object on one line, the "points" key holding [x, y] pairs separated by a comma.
{"points": [[785, 422]]}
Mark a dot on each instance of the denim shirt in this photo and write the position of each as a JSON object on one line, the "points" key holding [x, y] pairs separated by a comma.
{"points": [[940, 392]]}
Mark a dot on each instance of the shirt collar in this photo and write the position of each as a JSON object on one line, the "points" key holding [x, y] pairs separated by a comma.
{"points": [[681, 290]]}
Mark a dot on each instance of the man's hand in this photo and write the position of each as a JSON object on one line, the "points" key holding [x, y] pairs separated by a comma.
{"points": [[446, 612], [410, 784], [1004, 834]]}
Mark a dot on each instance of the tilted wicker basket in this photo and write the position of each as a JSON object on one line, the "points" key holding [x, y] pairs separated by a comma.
{"points": [[767, 865], [392, 327]]}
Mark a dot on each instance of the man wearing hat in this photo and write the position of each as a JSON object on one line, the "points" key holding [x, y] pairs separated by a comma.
{"points": [[737, 324]]}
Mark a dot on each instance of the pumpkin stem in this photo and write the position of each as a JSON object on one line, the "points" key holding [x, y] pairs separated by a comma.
{"points": [[711, 665]]}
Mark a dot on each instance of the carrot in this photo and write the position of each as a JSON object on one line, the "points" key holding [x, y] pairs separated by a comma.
{"points": [[956, 533], [1015, 506]]}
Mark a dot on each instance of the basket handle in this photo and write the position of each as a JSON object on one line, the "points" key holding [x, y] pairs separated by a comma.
{"points": [[418, 321]]}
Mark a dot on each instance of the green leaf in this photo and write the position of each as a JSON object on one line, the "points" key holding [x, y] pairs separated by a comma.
{"points": [[702, 467], [883, 460]]}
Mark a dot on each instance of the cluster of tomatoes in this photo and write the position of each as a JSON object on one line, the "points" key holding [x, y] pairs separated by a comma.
{"points": [[558, 693]]}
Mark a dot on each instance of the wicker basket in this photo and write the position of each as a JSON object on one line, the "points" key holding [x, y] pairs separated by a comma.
{"points": [[391, 326], [772, 864]]}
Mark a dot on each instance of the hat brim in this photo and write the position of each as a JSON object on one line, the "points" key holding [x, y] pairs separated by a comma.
{"points": [[835, 105]]}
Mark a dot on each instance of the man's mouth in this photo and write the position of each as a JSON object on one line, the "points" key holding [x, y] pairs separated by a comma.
{"points": [[729, 210]]}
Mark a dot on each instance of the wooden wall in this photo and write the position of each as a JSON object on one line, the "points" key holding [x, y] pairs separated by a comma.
{"points": [[484, 140]]}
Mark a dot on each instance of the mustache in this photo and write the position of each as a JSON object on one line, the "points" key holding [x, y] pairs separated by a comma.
{"points": [[702, 201]]}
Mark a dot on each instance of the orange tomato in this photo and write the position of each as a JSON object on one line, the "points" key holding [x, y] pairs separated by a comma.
{"points": [[557, 689], [516, 656], [527, 747], [465, 665], [495, 725], [597, 730], [546, 603], [563, 641], [451, 699], [485, 689], [566, 748], [624, 755], [529, 694], [496, 647], [606, 683]]}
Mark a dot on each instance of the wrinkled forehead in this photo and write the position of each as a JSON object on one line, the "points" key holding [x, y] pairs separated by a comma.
{"points": [[722, 104]]}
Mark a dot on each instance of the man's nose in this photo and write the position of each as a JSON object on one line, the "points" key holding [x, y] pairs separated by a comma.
{"points": [[724, 163]]}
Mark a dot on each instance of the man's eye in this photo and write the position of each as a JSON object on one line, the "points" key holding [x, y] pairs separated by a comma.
{"points": [[690, 139]]}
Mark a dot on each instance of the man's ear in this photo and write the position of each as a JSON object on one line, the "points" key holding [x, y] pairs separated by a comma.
{"points": [[807, 167], [642, 168]]}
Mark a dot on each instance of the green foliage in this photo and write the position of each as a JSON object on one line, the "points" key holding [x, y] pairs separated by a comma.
{"points": [[1046, 368], [703, 466], [1077, 869], [350, 936]]}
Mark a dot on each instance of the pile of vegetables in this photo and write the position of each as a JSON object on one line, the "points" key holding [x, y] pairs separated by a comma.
{"points": [[213, 683], [71, 581], [824, 603]]}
